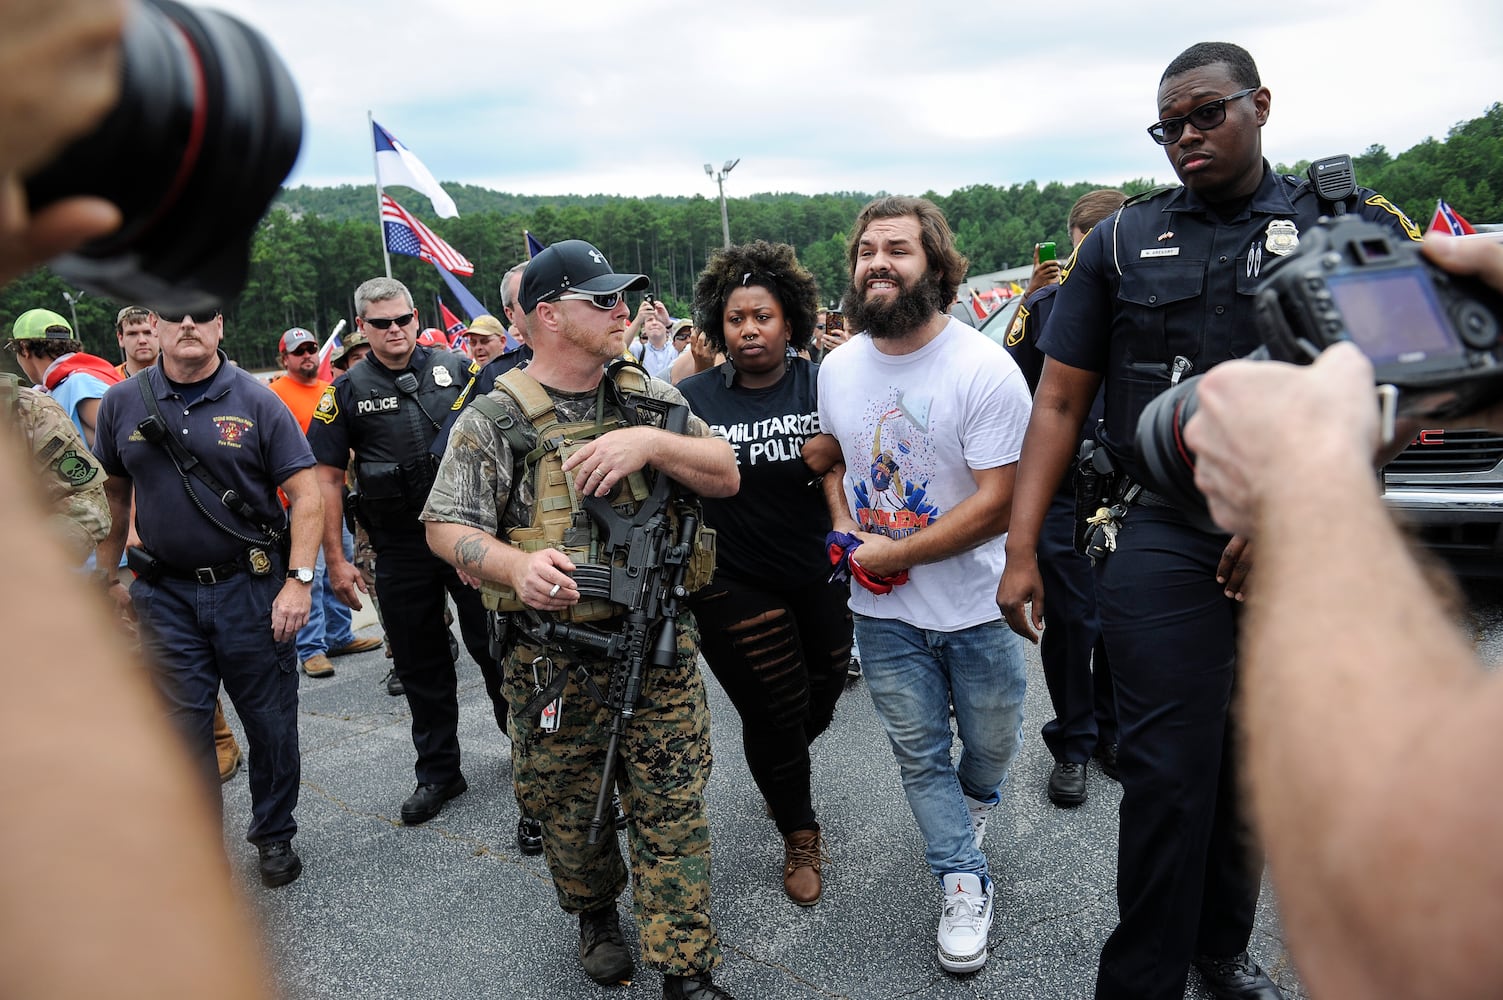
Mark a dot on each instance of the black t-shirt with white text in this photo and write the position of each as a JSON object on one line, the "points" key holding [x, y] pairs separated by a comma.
{"points": [[773, 530]]}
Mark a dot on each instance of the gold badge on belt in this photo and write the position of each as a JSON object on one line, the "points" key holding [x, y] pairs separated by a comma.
{"points": [[260, 562], [1283, 237], [442, 378]]}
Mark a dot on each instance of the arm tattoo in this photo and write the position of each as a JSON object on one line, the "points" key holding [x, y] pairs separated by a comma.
{"points": [[469, 551]]}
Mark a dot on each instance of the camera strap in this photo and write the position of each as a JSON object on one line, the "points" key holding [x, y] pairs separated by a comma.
{"points": [[188, 465]]}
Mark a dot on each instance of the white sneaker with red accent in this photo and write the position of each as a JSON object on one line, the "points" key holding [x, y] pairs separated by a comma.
{"points": [[964, 922]]}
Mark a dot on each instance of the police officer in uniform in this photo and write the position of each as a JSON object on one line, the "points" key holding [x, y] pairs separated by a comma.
{"points": [[576, 320], [387, 408], [1077, 670], [1160, 290]]}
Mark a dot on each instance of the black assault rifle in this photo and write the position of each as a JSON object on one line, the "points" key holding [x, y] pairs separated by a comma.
{"points": [[646, 575]]}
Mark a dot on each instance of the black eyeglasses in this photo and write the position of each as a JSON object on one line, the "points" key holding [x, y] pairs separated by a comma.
{"points": [[386, 324], [1206, 117], [178, 318], [305, 349], [681, 336], [605, 300]]}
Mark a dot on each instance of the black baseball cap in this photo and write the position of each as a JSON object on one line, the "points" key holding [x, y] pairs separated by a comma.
{"points": [[572, 266]]}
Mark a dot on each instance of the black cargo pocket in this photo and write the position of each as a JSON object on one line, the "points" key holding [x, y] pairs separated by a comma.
{"points": [[1159, 303]]}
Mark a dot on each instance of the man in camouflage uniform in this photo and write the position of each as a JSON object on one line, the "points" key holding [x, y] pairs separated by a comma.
{"points": [[72, 481], [577, 320]]}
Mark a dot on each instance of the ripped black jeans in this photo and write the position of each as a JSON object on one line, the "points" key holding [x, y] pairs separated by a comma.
{"points": [[781, 656]]}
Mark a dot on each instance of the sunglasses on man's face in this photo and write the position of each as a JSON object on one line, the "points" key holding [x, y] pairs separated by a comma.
{"points": [[1206, 117], [305, 350], [604, 300], [176, 319], [681, 336], [386, 324]]}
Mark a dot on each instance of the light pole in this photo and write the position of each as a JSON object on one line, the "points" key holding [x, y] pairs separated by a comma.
{"points": [[73, 301], [725, 223]]}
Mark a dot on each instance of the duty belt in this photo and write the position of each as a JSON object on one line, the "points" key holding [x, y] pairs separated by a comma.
{"points": [[204, 574]]}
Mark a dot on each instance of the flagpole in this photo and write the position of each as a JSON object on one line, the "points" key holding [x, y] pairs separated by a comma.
{"points": [[370, 120]]}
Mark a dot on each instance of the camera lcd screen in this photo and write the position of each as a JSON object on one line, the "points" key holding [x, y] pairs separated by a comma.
{"points": [[1393, 316]]}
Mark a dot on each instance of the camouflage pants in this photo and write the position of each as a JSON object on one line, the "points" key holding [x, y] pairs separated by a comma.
{"points": [[365, 562], [663, 765]]}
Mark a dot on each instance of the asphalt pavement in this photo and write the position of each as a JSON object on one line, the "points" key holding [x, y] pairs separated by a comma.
{"points": [[450, 909]]}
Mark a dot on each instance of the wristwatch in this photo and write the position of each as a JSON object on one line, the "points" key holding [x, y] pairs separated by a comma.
{"points": [[302, 574]]}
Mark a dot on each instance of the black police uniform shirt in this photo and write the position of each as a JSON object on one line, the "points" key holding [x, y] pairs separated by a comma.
{"points": [[238, 428], [773, 530], [1163, 289], [365, 410], [484, 383]]}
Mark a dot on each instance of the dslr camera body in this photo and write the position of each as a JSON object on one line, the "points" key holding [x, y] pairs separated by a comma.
{"points": [[1432, 335]]}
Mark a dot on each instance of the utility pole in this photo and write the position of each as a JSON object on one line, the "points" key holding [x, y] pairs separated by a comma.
{"points": [[725, 222]]}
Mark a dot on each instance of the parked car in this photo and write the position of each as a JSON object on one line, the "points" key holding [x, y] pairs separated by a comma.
{"points": [[1448, 486]]}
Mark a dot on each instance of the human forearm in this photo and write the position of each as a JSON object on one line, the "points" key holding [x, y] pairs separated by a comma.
{"points": [[978, 518], [308, 528], [331, 511], [117, 490], [475, 552], [833, 487], [702, 465], [1348, 661]]}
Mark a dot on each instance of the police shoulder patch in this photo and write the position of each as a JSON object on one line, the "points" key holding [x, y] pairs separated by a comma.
{"points": [[1378, 201], [327, 409], [1015, 332], [75, 469]]}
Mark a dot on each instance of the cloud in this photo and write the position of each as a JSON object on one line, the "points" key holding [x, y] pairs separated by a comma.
{"points": [[824, 96]]}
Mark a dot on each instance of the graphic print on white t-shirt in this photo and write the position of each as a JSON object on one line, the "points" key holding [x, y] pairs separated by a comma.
{"points": [[891, 499]]}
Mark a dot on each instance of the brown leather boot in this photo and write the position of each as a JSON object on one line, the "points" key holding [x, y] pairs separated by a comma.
{"points": [[803, 853], [225, 746]]}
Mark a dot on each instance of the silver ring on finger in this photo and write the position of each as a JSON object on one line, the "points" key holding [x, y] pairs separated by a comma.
{"points": [[554, 591]]}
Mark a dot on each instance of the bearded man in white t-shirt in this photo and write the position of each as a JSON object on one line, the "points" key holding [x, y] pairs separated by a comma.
{"points": [[929, 415]]}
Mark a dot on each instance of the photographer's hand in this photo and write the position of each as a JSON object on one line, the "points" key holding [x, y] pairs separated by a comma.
{"points": [[1236, 562], [1473, 256], [1263, 428]]}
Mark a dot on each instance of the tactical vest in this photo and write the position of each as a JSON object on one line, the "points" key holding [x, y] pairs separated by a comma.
{"points": [[10, 394], [559, 521], [391, 432]]}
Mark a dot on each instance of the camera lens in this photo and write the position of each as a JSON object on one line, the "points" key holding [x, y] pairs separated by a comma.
{"points": [[207, 126], [1166, 463]]}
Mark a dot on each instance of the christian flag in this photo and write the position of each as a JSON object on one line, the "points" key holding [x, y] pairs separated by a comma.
{"points": [[1447, 220], [406, 235], [396, 164]]}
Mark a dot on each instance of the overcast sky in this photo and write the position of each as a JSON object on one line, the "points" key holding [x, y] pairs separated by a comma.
{"points": [[633, 98]]}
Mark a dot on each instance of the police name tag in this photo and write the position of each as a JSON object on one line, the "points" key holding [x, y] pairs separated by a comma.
{"points": [[1159, 252]]}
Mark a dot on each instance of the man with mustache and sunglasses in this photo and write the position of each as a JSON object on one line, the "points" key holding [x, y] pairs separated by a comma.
{"points": [[489, 487], [386, 409], [224, 575], [1160, 290]]}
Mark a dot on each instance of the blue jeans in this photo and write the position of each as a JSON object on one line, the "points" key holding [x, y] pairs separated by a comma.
{"points": [[913, 675], [197, 635], [329, 621]]}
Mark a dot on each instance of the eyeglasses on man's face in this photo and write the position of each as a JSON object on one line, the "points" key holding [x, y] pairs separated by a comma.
{"points": [[603, 300], [305, 350], [388, 322], [1206, 117], [177, 319]]}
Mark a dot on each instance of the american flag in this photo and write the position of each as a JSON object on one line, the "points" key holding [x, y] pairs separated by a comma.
{"points": [[1449, 221], [406, 235]]}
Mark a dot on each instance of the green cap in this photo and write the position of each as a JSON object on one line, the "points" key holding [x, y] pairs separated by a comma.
{"points": [[41, 324]]}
